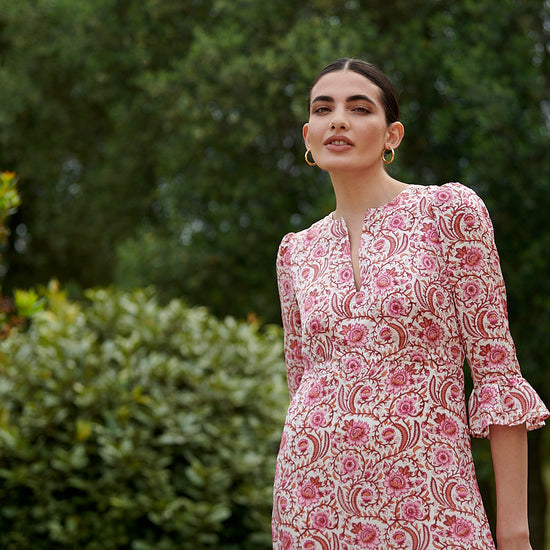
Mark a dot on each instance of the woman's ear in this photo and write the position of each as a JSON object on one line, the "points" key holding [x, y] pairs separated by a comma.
{"points": [[395, 134], [305, 132]]}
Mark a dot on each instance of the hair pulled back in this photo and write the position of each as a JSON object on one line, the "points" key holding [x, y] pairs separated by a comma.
{"points": [[372, 73]]}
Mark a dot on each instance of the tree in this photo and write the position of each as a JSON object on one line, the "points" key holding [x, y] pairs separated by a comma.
{"points": [[165, 147]]}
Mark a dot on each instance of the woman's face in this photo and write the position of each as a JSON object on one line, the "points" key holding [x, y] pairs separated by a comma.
{"points": [[347, 128]]}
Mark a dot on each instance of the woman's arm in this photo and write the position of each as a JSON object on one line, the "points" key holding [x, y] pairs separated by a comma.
{"points": [[290, 315], [509, 453]]}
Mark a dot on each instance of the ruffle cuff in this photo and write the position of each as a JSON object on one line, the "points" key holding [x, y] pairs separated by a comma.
{"points": [[505, 401]]}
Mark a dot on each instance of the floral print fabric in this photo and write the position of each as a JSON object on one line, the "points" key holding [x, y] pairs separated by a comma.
{"points": [[375, 452]]}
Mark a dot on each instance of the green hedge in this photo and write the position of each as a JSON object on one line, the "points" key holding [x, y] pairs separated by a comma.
{"points": [[127, 425]]}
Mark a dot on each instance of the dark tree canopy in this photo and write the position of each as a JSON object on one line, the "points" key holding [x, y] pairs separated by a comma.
{"points": [[159, 142]]}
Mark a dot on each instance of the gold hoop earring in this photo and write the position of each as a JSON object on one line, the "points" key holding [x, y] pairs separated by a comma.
{"points": [[310, 162], [385, 152]]}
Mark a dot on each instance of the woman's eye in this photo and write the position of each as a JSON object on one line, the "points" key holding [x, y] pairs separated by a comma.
{"points": [[321, 110], [361, 109]]}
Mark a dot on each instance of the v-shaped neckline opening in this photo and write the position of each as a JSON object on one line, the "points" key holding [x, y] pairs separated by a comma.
{"points": [[342, 225]]}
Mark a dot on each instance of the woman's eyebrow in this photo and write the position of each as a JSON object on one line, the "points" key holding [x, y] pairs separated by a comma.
{"points": [[325, 98], [350, 99], [360, 97]]}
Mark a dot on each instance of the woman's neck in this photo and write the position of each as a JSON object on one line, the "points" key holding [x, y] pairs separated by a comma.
{"points": [[356, 194]]}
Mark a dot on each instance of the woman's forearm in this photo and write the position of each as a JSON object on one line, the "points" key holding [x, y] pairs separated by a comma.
{"points": [[509, 453]]}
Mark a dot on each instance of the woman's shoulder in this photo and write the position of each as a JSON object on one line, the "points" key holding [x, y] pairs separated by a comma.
{"points": [[458, 212], [453, 198], [450, 192], [308, 234]]}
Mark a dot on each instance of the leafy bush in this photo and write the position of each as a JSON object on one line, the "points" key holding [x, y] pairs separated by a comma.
{"points": [[127, 425], [9, 201]]}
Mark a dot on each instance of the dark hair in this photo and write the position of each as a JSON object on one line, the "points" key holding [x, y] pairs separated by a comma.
{"points": [[372, 73]]}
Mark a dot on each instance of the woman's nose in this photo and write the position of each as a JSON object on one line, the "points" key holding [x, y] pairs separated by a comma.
{"points": [[339, 124]]}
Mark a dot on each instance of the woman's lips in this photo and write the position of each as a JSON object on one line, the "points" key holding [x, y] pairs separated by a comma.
{"points": [[338, 143]]}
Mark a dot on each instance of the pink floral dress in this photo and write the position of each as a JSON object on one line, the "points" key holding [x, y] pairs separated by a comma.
{"points": [[375, 452]]}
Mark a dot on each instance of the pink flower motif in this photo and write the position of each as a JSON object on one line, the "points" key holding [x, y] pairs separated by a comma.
{"points": [[315, 392], [367, 496], [311, 233], [356, 335], [397, 222], [399, 538], [353, 363], [397, 481], [388, 435], [345, 275], [487, 396], [395, 307], [286, 542], [429, 233], [470, 289], [286, 256], [295, 379], [309, 302], [469, 220], [379, 244], [443, 457], [493, 318], [349, 465], [455, 392], [472, 257], [455, 352], [310, 544], [385, 334], [309, 492], [318, 418], [398, 380], [357, 433], [462, 492], [315, 325], [443, 195], [431, 333], [495, 356], [296, 350], [412, 509], [384, 281], [439, 298], [366, 535], [417, 356], [286, 287], [320, 250], [302, 445], [448, 428], [283, 503], [428, 262], [365, 394], [321, 520], [460, 529], [406, 406]]}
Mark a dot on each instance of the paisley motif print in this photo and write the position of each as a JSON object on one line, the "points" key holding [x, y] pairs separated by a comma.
{"points": [[375, 452]]}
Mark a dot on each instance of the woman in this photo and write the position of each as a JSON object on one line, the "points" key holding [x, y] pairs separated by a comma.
{"points": [[382, 300]]}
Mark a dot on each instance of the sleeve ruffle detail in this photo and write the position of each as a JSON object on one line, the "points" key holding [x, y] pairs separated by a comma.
{"points": [[507, 401]]}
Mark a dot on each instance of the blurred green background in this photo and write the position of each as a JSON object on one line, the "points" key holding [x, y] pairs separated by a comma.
{"points": [[158, 144]]}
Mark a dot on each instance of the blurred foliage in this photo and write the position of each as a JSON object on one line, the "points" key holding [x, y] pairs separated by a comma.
{"points": [[159, 142], [9, 201], [126, 424]]}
